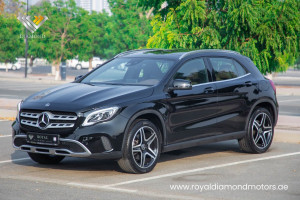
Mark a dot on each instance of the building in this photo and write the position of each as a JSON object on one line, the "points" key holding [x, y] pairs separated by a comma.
{"points": [[89, 5], [93, 5]]}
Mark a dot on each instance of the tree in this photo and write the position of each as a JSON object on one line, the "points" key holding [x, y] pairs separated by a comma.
{"points": [[90, 40], [12, 6], [11, 40], [266, 31], [12, 45], [128, 27], [59, 30]]}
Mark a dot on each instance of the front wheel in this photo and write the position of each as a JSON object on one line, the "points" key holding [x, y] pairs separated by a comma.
{"points": [[45, 159], [142, 147], [260, 132], [14, 68]]}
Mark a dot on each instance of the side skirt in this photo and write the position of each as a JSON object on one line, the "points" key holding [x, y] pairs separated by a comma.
{"points": [[212, 139]]}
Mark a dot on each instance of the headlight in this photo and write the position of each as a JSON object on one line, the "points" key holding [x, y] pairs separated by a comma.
{"points": [[100, 116], [18, 109]]}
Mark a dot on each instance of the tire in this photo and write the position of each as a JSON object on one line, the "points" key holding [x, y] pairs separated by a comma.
{"points": [[78, 67], [260, 132], [148, 148], [14, 68], [45, 159]]}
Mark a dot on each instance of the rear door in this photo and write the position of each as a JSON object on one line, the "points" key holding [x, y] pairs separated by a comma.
{"points": [[233, 86], [192, 112]]}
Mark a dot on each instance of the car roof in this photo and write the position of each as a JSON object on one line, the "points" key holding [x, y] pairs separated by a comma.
{"points": [[177, 54]]}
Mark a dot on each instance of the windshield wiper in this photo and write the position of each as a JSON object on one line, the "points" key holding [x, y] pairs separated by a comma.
{"points": [[88, 83]]}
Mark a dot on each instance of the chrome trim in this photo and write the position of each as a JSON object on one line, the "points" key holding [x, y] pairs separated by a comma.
{"points": [[233, 78], [34, 123], [52, 125], [29, 123], [30, 115], [60, 125], [203, 83], [53, 150], [51, 116], [222, 80]]}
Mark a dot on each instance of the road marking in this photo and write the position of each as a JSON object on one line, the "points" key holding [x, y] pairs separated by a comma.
{"points": [[3, 136], [91, 186], [14, 160], [143, 193], [200, 169], [288, 100]]}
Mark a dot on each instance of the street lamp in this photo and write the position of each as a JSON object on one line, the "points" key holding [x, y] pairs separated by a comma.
{"points": [[26, 43]]}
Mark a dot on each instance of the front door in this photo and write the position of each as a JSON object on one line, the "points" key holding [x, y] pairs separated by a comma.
{"points": [[192, 112]]}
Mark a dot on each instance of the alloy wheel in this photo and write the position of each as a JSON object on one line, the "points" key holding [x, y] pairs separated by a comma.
{"points": [[262, 130], [145, 146]]}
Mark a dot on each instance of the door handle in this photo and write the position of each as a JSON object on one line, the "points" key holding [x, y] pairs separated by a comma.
{"points": [[248, 83], [209, 90]]}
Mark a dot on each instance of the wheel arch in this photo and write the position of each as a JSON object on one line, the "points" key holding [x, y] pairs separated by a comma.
{"points": [[265, 103], [152, 115]]}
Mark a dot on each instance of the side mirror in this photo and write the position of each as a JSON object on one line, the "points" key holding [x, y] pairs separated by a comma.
{"points": [[78, 77], [180, 84]]}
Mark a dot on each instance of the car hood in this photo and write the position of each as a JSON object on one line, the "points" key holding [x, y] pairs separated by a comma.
{"points": [[78, 97]]}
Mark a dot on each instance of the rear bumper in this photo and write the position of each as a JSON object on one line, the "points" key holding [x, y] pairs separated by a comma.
{"points": [[66, 147]]}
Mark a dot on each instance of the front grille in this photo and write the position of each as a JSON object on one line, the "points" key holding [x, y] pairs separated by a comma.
{"points": [[55, 120], [48, 121]]}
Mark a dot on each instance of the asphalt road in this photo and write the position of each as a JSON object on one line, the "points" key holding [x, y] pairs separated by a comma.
{"points": [[221, 164], [288, 78], [47, 70]]}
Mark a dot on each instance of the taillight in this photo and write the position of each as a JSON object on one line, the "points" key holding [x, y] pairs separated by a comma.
{"points": [[273, 85]]}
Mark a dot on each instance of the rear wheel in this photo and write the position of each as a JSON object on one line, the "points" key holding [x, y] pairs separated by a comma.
{"points": [[78, 67], [45, 159], [142, 147], [260, 132]]}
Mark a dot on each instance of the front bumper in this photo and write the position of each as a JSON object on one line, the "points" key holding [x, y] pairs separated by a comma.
{"points": [[103, 140], [66, 147]]}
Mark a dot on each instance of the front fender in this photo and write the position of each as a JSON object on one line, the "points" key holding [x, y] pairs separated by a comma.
{"points": [[134, 112]]}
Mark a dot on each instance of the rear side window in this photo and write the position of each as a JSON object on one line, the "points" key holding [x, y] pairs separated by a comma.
{"points": [[194, 71], [226, 68]]}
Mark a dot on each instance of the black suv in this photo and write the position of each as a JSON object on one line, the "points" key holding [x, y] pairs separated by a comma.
{"points": [[145, 102]]}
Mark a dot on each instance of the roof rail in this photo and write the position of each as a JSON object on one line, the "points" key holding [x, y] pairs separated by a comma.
{"points": [[205, 50], [132, 51]]}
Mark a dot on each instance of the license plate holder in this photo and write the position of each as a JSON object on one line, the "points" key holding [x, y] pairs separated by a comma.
{"points": [[42, 138]]}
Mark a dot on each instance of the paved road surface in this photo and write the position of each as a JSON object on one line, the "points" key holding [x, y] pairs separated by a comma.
{"points": [[215, 164], [47, 70]]}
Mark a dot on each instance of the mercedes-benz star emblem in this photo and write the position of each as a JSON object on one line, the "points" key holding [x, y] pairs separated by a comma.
{"points": [[43, 120]]}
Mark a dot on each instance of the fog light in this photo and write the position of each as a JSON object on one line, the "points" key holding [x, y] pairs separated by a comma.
{"points": [[85, 140]]}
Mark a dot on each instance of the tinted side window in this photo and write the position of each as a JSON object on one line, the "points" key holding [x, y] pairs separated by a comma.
{"points": [[241, 71], [194, 71], [226, 68]]}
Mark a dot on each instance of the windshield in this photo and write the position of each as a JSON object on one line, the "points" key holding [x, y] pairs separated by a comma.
{"points": [[131, 71]]}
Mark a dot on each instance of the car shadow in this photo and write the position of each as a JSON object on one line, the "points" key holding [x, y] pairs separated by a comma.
{"points": [[86, 164], [228, 146]]}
